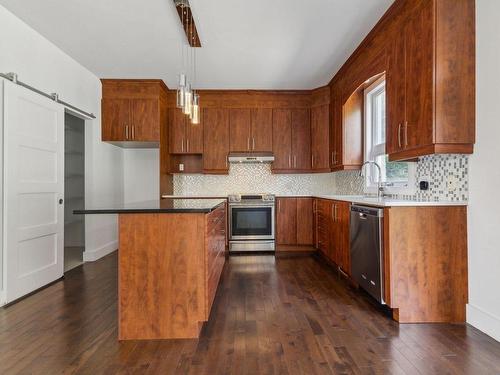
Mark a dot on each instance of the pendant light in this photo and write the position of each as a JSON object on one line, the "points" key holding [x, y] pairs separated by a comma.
{"points": [[195, 105], [195, 118], [187, 99], [181, 91]]}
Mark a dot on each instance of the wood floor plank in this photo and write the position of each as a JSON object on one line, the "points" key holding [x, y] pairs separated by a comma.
{"points": [[270, 316]]}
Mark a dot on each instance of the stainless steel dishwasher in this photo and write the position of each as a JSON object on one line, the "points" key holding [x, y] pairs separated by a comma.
{"points": [[367, 263]]}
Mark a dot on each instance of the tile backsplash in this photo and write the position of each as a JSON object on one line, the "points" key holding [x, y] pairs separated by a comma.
{"points": [[253, 178], [439, 170], [447, 176]]}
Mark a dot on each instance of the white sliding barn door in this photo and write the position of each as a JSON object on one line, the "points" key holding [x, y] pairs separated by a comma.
{"points": [[33, 186]]}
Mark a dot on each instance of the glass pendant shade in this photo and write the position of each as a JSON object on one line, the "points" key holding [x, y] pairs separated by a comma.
{"points": [[188, 100], [181, 91], [195, 110]]}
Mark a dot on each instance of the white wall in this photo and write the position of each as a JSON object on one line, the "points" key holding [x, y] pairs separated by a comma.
{"points": [[483, 310], [41, 64], [141, 174]]}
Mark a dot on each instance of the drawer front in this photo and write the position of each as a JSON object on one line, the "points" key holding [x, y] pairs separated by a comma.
{"points": [[216, 243], [213, 280], [215, 249], [214, 218]]}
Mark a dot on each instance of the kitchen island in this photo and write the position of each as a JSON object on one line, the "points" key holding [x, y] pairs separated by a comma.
{"points": [[171, 255]]}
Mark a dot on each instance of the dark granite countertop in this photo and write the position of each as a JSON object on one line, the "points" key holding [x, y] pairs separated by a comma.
{"points": [[167, 205]]}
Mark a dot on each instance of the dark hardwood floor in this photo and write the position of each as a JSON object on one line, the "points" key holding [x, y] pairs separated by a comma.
{"points": [[286, 315]]}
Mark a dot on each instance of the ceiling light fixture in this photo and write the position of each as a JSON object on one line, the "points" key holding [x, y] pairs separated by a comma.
{"points": [[188, 100]]}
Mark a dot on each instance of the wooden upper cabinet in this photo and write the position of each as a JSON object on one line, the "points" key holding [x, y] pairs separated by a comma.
{"points": [[131, 111], [145, 120], [301, 139], [418, 35], [240, 130], [291, 140], [346, 129], [216, 140], [431, 81], [177, 134], [185, 137], [282, 139], [320, 134], [395, 95], [194, 136], [115, 119], [262, 130]]}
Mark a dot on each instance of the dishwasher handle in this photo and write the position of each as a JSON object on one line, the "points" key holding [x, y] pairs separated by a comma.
{"points": [[365, 211]]}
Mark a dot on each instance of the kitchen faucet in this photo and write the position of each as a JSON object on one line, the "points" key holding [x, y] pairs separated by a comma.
{"points": [[380, 189]]}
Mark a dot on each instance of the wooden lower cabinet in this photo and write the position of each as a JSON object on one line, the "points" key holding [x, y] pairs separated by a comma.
{"points": [[424, 257], [342, 213], [294, 222], [286, 221], [425, 261], [332, 232], [169, 266], [323, 222]]}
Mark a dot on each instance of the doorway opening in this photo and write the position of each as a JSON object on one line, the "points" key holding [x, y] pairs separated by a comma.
{"points": [[74, 190]]}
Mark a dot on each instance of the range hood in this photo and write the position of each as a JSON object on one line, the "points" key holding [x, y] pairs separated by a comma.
{"points": [[258, 157]]}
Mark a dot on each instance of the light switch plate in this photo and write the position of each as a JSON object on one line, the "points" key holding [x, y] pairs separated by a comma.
{"points": [[181, 167]]}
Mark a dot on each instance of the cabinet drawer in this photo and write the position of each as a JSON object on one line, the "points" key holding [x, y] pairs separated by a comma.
{"points": [[213, 276], [216, 219], [216, 243]]}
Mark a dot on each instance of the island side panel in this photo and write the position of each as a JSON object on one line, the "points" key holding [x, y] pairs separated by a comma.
{"points": [[161, 280], [427, 247]]}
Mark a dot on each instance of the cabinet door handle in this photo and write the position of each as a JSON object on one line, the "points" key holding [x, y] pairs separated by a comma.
{"points": [[289, 160], [295, 161], [126, 132], [253, 143], [248, 143], [333, 215], [406, 133], [187, 145], [133, 131], [182, 145], [336, 212], [399, 135], [279, 206], [312, 160]]}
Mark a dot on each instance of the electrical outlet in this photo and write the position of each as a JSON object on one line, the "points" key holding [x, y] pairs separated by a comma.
{"points": [[424, 182], [451, 183], [181, 167]]}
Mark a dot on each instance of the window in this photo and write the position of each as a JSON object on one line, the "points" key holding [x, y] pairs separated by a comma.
{"points": [[397, 177]]}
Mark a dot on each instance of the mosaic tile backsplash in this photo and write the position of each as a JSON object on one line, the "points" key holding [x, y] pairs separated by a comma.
{"points": [[253, 178], [447, 176]]}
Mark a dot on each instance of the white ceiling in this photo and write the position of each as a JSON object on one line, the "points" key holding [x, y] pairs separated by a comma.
{"points": [[250, 44]]}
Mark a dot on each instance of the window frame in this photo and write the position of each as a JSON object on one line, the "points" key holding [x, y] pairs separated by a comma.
{"points": [[371, 152]]}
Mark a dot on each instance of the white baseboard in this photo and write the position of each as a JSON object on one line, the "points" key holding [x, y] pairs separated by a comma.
{"points": [[95, 254], [484, 321]]}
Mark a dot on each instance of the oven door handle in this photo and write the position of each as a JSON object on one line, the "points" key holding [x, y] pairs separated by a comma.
{"points": [[251, 205]]}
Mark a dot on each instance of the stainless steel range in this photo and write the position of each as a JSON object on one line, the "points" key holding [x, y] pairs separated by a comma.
{"points": [[251, 222]]}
